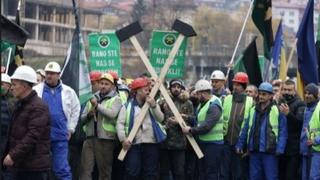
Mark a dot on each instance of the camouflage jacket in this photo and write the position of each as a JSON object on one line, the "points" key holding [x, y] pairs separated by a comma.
{"points": [[175, 138]]}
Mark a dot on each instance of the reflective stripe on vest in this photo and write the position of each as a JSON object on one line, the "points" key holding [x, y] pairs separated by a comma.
{"points": [[128, 119], [314, 126], [227, 106], [273, 121], [123, 97], [216, 133], [106, 123]]}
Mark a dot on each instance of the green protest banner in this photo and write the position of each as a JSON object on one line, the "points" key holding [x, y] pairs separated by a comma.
{"points": [[161, 45], [104, 52]]}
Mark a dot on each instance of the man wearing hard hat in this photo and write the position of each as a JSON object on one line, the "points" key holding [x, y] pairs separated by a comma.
{"points": [[143, 153], [209, 130], [7, 106], [99, 119], [64, 109], [28, 147], [218, 81], [265, 135]]}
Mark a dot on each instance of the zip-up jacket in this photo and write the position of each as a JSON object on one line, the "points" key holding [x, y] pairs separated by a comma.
{"points": [[264, 131], [70, 104]]}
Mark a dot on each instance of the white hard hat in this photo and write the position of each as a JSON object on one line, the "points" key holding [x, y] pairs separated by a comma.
{"points": [[217, 74], [53, 67], [202, 85], [41, 72], [5, 78], [25, 73]]}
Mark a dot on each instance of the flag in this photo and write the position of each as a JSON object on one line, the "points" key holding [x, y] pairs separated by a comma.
{"points": [[75, 72], [262, 18], [18, 54], [276, 51], [12, 33], [318, 47], [250, 63], [307, 60], [283, 65]]}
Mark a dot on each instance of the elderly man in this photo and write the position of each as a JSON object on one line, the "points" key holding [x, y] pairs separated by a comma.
{"points": [[28, 149]]}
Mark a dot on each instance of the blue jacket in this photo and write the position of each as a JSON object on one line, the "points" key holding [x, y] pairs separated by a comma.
{"points": [[263, 137], [304, 149]]}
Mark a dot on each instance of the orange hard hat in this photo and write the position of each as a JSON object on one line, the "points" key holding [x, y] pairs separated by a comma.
{"points": [[241, 77], [95, 75], [138, 83]]}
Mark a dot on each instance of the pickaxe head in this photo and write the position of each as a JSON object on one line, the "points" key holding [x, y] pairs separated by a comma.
{"points": [[183, 28], [128, 31]]}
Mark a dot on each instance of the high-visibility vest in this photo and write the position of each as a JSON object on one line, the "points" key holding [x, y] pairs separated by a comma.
{"points": [[227, 106], [106, 123], [273, 121], [314, 126], [129, 118], [123, 97], [216, 133]]}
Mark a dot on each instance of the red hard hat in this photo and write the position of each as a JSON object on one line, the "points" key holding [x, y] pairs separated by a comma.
{"points": [[95, 75], [139, 83], [113, 74], [241, 77]]}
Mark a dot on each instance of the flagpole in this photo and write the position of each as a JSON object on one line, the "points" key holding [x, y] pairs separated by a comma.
{"points": [[9, 58], [239, 38], [291, 53]]}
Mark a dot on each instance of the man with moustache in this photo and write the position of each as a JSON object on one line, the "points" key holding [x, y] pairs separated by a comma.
{"points": [[291, 105], [265, 135], [172, 154]]}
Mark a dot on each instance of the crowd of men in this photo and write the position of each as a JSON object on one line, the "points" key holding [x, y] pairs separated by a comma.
{"points": [[265, 132]]}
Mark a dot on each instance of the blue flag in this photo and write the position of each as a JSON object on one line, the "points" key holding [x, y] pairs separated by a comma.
{"points": [[307, 58], [276, 51]]}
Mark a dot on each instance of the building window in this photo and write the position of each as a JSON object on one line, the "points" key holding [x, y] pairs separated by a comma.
{"points": [[31, 28], [45, 13], [62, 35], [291, 13], [291, 21], [45, 33], [30, 10]]}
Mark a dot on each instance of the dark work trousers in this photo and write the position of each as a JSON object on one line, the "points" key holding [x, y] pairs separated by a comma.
{"points": [[263, 166], [75, 150], [118, 166], [289, 167], [142, 161], [172, 163], [30, 175], [210, 164], [191, 165], [234, 166]]}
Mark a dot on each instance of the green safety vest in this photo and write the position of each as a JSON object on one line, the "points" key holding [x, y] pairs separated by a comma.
{"points": [[128, 119], [106, 123], [216, 133], [314, 126], [123, 97], [227, 106], [273, 121]]}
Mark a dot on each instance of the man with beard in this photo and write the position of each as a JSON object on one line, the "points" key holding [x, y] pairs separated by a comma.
{"points": [[99, 118], [293, 108], [236, 108], [141, 161], [265, 134], [310, 135], [172, 154], [209, 130], [252, 91]]}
